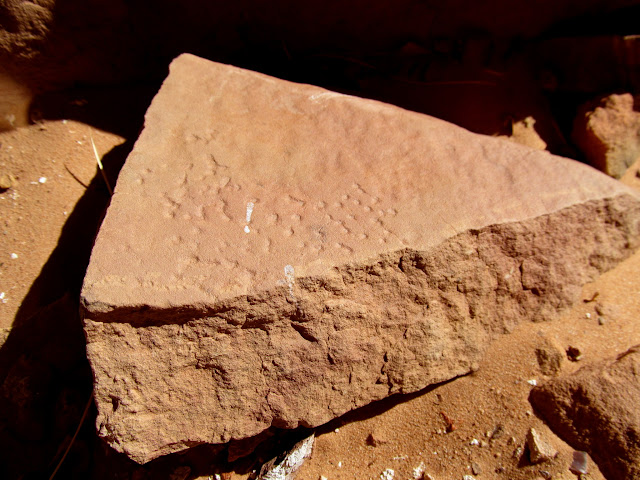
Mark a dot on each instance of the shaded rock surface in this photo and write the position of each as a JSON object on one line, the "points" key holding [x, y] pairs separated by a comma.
{"points": [[608, 133], [277, 255], [596, 410]]}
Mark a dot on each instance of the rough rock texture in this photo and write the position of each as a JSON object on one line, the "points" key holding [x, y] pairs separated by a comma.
{"points": [[609, 133], [277, 255], [597, 410], [539, 450]]}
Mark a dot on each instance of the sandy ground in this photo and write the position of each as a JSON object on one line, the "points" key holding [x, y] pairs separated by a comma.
{"points": [[474, 425]]}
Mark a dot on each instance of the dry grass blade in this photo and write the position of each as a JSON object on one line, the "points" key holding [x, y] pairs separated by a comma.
{"points": [[95, 152], [73, 439]]}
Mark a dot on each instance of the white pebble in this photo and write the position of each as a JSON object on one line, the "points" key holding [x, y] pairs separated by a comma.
{"points": [[533, 382], [42, 180], [14, 255], [474, 442], [418, 472], [388, 474]]}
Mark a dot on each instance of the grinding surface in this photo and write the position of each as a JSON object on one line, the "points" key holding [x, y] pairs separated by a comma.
{"points": [[332, 179], [277, 255]]}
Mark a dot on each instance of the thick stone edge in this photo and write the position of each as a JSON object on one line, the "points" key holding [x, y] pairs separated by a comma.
{"points": [[617, 237]]}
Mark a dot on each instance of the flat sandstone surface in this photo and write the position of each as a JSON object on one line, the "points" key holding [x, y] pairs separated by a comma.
{"points": [[277, 255]]}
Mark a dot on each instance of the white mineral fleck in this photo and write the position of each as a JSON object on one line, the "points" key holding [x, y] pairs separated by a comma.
{"points": [[388, 474]]}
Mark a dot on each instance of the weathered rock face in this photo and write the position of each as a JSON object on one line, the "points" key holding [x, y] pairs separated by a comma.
{"points": [[277, 255], [596, 410], [609, 133]]}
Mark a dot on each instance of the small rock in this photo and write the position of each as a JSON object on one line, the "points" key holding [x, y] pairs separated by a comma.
{"points": [[42, 180], [378, 437], [418, 472], [285, 468], [388, 474], [550, 356], [601, 321], [580, 464], [498, 431], [606, 130], [539, 450], [475, 468], [7, 181], [574, 354], [545, 474], [596, 409], [517, 453], [468, 477]]}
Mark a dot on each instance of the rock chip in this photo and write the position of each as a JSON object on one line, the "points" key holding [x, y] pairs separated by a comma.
{"points": [[550, 356], [277, 255], [539, 450], [608, 133], [286, 466], [378, 437], [596, 410], [580, 463]]}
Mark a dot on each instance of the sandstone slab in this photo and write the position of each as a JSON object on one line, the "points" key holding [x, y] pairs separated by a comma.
{"points": [[277, 254], [597, 410]]}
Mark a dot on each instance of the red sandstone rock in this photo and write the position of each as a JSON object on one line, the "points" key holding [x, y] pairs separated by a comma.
{"points": [[609, 134], [277, 255], [597, 410]]}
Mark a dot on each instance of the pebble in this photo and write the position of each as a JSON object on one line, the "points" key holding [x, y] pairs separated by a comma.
{"points": [[574, 354], [388, 474], [7, 181], [517, 453], [418, 472], [468, 477], [377, 437], [42, 180], [498, 431], [539, 450], [475, 468], [14, 255], [580, 464]]}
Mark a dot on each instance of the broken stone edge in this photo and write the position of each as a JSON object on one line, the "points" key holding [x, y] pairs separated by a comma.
{"points": [[483, 282]]}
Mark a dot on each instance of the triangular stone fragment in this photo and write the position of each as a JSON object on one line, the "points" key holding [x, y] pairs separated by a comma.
{"points": [[277, 255]]}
